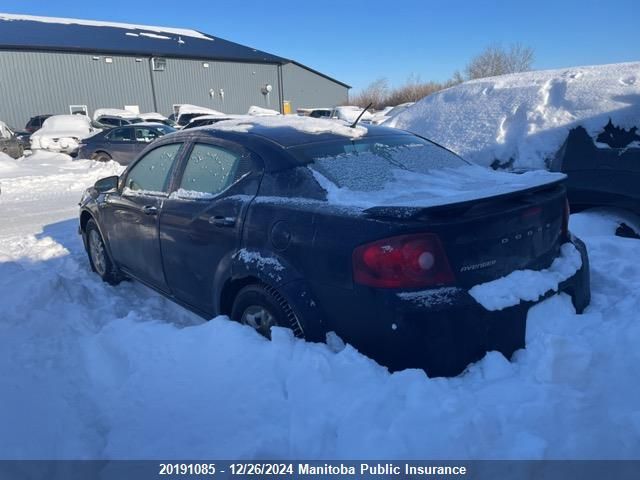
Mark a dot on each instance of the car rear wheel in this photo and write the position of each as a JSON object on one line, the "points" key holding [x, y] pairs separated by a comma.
{"points": [[101, 157], [99, 258], [262, 307]]}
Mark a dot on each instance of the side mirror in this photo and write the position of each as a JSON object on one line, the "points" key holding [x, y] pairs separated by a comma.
{"points": [[106, 184]]}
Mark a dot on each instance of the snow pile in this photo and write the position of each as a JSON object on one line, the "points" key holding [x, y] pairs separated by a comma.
{"points": [[94, 23], [302, 124], [93, 371], [438, 187], [62, 133], [528, 285], [526, 116], [259, 111]]}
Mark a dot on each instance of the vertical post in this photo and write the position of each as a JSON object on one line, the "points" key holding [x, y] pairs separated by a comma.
{"points": [[153, 86]]}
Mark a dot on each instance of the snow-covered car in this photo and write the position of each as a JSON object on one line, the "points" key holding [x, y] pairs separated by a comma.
{"points": [[559, 119], [156, 117], [122, 144], [10, 143], [389, 112], [187, 112], [114, 117], [426, 261], [62, 133], [349, 113], [315, 112], [256, 111], [211, 119]]}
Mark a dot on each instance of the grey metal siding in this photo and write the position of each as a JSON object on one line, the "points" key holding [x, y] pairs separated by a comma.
{"points": [[305, 89], [48, 82], [188, 81]]}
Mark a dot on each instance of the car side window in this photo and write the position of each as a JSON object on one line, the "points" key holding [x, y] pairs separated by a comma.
{"points": [[121, 135], [210, 169], [152, 172], [146, 135]]}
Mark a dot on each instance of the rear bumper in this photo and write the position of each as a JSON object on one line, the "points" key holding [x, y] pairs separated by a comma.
{"points": [[441, 334]]}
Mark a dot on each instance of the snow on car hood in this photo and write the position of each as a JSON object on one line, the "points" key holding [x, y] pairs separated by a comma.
{"points": [[438, 187], [525, 116], [114, 112]]}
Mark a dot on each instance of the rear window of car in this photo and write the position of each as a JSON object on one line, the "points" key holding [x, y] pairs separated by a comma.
{"points": [[368, 164]]}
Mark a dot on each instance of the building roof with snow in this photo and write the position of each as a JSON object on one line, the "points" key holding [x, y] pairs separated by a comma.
{"points": [[28, 32]]}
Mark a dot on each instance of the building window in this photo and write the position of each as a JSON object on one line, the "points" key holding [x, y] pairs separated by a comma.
{"points": [[108, 60], [78, 110], [158, 64]]}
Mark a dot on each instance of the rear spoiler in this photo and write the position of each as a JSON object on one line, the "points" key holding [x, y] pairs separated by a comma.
{"points": [[458, 208]]}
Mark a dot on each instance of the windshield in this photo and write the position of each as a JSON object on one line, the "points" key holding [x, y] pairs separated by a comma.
{"points": [[368, 164]]}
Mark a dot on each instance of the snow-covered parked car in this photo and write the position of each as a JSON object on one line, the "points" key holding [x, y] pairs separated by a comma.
{"points": [[155, 117], [10, 143], [350, 114], [425, 260], [62, 133], [188, 112], [582, 121], [388, 113]]}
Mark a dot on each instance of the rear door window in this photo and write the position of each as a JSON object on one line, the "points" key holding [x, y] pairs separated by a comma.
{"points": [[121, 135], [151, 174], [210, 170]]}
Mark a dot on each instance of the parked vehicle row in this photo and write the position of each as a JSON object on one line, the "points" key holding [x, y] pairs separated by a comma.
{"points": [[121, 144], [243, 223]]}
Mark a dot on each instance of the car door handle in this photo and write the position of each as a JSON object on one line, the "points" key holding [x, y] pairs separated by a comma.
{"points": [[150, 210], [220, 221]]}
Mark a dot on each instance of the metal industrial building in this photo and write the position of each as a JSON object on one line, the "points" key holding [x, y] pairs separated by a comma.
{"points": [[57, 65]]}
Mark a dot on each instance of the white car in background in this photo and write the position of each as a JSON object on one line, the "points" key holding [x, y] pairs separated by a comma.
{"points": [[350, 113], [187, 112], [62, 133], [155, 117]]}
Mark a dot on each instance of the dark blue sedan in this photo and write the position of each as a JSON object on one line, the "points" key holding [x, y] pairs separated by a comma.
{"points": [[252, 220], [121, 144]]}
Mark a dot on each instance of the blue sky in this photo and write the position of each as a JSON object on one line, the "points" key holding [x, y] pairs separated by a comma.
{"points": [[359, 41]]}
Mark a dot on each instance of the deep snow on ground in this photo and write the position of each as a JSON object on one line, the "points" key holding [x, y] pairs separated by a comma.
{"points": [[88, 370], [526, 116]]}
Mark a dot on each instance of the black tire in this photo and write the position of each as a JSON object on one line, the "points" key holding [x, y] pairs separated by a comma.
{"points": [[99, 258], [101, 157], [262, 307]]}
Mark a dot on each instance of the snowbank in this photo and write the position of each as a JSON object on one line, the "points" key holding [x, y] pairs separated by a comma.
{"points": [[303, 124], [527, 116]]}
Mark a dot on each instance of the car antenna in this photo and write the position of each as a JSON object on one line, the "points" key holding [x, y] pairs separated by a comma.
{"points": [[353, 125]]}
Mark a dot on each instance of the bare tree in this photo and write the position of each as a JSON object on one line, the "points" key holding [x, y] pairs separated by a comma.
{"points": [[495, 60], [376, 93]]}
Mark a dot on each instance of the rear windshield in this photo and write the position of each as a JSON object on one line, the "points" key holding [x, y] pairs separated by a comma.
{"points": [[369, 163]]}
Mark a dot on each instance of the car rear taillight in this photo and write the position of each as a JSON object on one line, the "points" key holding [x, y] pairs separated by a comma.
{"points": [[565, 219], [405, 261]]}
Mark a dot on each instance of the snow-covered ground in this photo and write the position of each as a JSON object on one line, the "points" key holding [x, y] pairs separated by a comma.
{"points": [[526, 116], [88, 370]]}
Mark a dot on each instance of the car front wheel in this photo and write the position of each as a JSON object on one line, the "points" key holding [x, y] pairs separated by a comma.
{"points": [[99, 256], [101, 157], [263, 307]]}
